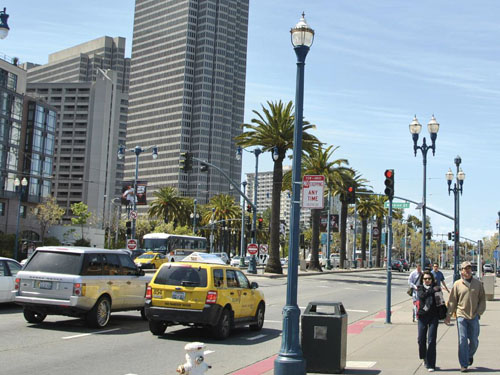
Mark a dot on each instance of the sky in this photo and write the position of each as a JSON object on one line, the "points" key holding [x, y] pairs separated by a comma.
{"points": [[372, 67]]}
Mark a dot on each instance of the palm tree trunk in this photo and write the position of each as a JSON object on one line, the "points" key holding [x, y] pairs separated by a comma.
{"points": [[343, 234], [364, 225], [274, 263], [379, 241], [314, 263]]}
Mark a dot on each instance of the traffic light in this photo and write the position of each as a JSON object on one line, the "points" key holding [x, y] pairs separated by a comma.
{"points": [[249, 224], [351, 194], [260, 220], [128, 224], [449, 236], [204, 167], [186, 162], [249, 208], [389, 183]]}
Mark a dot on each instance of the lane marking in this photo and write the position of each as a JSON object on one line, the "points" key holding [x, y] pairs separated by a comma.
{"points": [[89, 334], [208, 352], [360, 311], [256, 337], [273, 321], [351, 288], [359, 364]]}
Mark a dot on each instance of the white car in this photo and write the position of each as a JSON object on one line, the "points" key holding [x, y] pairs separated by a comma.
{"points": [[488, 268], [8, 271]]}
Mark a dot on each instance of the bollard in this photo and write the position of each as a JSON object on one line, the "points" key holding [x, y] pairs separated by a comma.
{"points": [[195, 361]]}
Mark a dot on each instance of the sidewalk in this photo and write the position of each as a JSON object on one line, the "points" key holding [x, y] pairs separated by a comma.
{"points": [[374, 347], [261, 273]]}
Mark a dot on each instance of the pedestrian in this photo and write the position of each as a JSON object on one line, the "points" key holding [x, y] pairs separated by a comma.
{"points": [[413, 281], [467, 300], [438, 276], [428, 319]]}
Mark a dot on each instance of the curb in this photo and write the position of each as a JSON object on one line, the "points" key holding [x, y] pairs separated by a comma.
{"points": [[313, 273]]}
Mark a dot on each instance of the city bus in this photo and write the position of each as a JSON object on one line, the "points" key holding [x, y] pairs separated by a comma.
{"points": [[176, 247]]}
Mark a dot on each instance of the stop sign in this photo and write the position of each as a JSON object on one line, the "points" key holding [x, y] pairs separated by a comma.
{"points": [[252, 248], [132, 244]]}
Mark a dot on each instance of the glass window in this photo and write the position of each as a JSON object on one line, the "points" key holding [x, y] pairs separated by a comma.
{"points": [[2, 208], [54, 262], [39, 116], [49, 144], [34, 186], [92, 265], [15, 135], [17, 108], [37, 140], [51, 122], [46, 188], [4, 129], [128, 265], [12, 159], [232, 280], [111, 264], [4, 103], [3, 269], [12, 82], [181, 275], [36, 164], [218, 278], [14, 267], [242, 279], [47, 167]]}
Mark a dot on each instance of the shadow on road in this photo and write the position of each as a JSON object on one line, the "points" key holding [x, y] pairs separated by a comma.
{"points": [[9, 308]]}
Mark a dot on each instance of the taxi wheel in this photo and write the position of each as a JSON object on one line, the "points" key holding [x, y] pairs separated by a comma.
{"points": [[222, 329], [33, 316], [157, 327], [98, 316], [259, 318]]}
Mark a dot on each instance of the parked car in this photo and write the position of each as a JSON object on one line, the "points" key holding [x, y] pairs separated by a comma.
{"points": [[150, 260], [397, 265], [406, 265], [81, 282], [197, 293], [223, 256], [8, 271], [488, 268]]}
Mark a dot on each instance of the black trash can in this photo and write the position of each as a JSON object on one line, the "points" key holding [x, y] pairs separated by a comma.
{"points": [[324, 337]]}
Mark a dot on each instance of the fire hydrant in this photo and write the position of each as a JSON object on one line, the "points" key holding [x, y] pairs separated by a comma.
{"points": [[195, 361]]}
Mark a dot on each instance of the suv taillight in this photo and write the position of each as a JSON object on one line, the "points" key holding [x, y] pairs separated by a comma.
{"points": [[17, 283], [149, 293], [211, 297], [78, 289]]}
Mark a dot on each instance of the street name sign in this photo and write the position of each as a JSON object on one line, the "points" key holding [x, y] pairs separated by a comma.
{"points": [[397, 204], [252, 248], [312, 191], [132, 244]]}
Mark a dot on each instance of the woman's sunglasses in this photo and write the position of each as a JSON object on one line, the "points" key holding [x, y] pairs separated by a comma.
{"points": [[427, 278]]}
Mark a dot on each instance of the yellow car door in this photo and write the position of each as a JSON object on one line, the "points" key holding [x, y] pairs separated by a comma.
{"points": [[234, 293], [248, 300]]}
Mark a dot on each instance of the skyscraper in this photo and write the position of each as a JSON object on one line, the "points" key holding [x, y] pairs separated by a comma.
{"points": [[187, 90]]}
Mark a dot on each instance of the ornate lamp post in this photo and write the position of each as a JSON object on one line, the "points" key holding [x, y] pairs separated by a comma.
{"points": [[415, 128], [457, 188], [4, 28], [20, 187], [137, 151], [290, 360], [194, 216]]}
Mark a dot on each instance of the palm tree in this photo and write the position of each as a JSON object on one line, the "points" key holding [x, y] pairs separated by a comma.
{"points": [[169, 206], [379, 212], [366, 209], [317, 162], [223, 210], [274, 128]]}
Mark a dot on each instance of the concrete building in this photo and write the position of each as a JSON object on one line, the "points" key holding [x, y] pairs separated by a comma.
{"points": [[27, 133], [187, 90], [88, 85]]}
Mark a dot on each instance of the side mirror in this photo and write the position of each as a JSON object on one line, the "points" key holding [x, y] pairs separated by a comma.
{"points": [[254, 285]]}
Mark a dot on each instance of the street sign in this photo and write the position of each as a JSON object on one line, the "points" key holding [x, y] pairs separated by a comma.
{"points": [[252, 248], [132, 244], [263, 249], [397, 204], [496, 254], [133, 214], [312, 191]]}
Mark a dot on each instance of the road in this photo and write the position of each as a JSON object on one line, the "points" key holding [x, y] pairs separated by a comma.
{"points": [[62, 345]]}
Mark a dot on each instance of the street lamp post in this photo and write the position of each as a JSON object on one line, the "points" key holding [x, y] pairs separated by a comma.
{"points": [[20, 186], [252, 265], [195, 216], [457, 188], [4, 27], [290, 360], [212, 225], [137, 151], [242, 240], [328, 233], [415, 128]]}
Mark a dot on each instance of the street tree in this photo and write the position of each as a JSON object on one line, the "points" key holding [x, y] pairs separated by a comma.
{"points": [[223, 210], [81, 215], [274, 127], [49, 213], [169, 206], [366, 210]]}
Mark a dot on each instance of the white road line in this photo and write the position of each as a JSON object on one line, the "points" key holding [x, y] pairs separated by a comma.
{"points": [[88, 334], [351, 288], [359, 364], [273, 321], [208, 352], [360, 311], [256, 337]]}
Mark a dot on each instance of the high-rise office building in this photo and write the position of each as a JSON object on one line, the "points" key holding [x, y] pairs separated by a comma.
{"points": [[187, 90], [87, 84]]}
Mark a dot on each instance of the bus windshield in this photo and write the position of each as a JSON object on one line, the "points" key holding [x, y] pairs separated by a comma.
{"points": [[155, 244]]}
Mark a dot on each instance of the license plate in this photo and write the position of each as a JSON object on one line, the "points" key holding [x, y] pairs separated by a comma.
{"points": [[157, 293], [45, 284], [178, 295]]}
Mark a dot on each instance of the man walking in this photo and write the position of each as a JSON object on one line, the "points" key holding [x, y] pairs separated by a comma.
{"points": [[468, 301], [413, 282], [438, 276]]}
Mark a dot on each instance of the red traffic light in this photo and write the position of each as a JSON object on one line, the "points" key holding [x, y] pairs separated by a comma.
{"points": [[350, 189], [389, 173], [260, 220]]}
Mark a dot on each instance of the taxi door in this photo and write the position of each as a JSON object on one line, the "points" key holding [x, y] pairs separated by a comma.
{"points": [[247, 295], [235, 293]]}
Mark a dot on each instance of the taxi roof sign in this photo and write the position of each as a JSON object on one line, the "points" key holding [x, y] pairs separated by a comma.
{"points": [[198, 257]]}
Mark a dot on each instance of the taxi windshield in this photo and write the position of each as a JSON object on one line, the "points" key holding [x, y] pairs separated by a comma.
{"points": [[146, 256]]}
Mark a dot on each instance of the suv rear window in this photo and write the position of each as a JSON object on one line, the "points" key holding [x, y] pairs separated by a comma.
{"points": [[182, 276], [55, 262]]}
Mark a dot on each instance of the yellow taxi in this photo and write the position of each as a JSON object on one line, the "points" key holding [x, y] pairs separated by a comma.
{"points": [[150, 260], [203, 291]]}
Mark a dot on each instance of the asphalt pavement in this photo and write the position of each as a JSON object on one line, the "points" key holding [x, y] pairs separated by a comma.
{"points": [[377, 347]]}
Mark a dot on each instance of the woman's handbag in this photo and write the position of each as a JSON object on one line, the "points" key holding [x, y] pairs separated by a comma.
{"points": [[440, 304], [442, 310], [410, 291]]}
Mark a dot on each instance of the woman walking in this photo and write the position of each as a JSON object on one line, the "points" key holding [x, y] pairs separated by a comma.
{"points": [[428, 319]]}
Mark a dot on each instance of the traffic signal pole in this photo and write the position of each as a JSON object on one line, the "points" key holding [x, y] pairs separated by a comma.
{"points": [[389, 267]]}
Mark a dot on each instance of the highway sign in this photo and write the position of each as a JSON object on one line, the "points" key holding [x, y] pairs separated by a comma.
{"points": [[397, 204], [132, 244], [133, 214], [312, 191], [252, 248]]}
